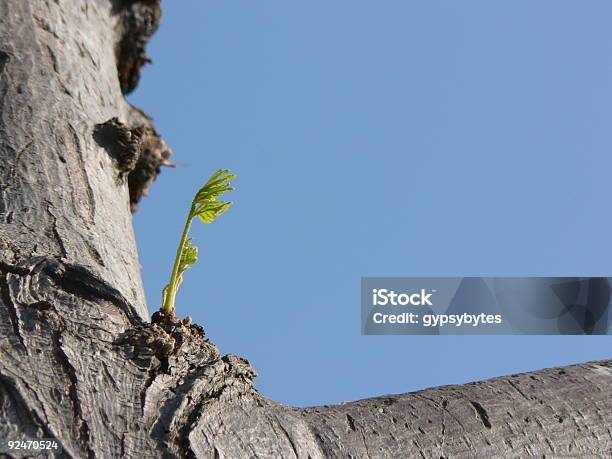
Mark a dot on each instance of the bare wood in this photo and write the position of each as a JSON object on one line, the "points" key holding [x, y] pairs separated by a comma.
{"points": [[79, 360]]}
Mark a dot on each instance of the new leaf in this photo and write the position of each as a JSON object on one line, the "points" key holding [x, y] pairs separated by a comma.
{"points": [[207, 206]]}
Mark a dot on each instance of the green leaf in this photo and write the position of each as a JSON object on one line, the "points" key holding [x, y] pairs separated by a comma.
{"points": [[206, 205], [189, 257], [213, 210]]}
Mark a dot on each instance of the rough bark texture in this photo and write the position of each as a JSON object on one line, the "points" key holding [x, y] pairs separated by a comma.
{"points": [[80, 362]]}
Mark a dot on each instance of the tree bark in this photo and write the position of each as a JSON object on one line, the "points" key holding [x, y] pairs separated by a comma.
{"points": [[80, 362]]}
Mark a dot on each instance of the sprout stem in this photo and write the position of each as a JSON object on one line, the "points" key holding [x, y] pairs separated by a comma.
{"points": [[169, 296]]}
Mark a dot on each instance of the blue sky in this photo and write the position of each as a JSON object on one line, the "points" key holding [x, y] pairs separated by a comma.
{"points": [[386, 138]]}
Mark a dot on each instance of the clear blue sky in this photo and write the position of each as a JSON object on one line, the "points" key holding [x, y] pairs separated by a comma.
{"points": [[392, 138]]}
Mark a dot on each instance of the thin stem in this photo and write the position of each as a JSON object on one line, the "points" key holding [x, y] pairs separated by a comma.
{"points": [[172, 287]]}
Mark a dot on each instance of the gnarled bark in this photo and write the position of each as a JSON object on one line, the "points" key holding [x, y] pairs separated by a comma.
{"points": [[80, 362]]}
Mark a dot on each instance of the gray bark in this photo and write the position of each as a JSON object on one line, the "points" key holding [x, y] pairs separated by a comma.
{"points": [[79, 360]]}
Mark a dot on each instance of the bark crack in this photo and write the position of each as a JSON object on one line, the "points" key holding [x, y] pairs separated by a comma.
{"points": [[4, 58], [44, 25], [516, 388], [20, 151], [365, 443], [53, 59], [79, 280], [12, 310], [443, 433], [57, 235], [482, 413], [12, 174], [291, 443], [71, 373], [89, 193], [350, 422]]}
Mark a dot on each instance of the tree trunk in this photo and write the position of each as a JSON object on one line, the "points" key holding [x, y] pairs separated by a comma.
{"points": [[79, 361]]}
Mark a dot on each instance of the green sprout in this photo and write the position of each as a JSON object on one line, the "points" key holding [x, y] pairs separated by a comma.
{"points": [[205, 206]]}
